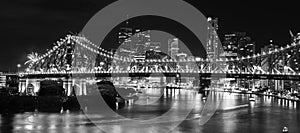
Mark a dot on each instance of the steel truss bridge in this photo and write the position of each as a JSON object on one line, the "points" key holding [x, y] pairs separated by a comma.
{"points": [[76, 55]]}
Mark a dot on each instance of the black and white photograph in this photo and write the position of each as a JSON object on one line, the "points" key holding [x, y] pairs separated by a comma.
{"points": [[149, 66]]}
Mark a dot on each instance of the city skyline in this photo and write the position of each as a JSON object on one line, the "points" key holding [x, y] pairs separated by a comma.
{"points": [[149, 66]]}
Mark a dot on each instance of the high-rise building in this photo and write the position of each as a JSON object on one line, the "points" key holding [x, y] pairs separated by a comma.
{"points": [[237, 44], [267, 61], [141, 40], [271, 62], [124, 35], [156, 46], [230, 45], [126, 47], [133, 41], [213, 46], [245, 47], [2, 80], [173, 47]]}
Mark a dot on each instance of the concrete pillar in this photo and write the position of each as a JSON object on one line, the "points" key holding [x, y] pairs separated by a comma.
{"points": [[24, 85], [69, 88], [37, 86], [282, 84], [276, 85], [253, 84], [84, 88], [279, 85], [79, 88], [65, 85], [20, 86]]}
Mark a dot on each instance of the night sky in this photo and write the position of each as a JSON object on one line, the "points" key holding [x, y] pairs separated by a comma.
{"points": [[34, 25]]}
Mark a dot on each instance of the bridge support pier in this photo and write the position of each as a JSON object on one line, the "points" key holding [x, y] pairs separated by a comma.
{"points": [[84, 91], [28, 85], [68, 86], [279, 85], [22, 85], [253, 84]]}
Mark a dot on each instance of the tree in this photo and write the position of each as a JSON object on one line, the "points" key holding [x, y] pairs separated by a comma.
{"points": [[33, 57]]}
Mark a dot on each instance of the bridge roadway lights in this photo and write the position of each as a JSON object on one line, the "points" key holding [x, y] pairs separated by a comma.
{"points": [[288, 76]]}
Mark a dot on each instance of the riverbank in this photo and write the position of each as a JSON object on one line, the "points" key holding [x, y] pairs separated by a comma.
{"points": [[270, 94], [285, 97]]}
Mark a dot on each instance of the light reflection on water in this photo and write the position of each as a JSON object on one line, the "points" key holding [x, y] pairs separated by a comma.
{"points": [[235, 114], [43, 122]]}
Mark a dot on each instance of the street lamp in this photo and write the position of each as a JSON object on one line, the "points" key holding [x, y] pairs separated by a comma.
{"points": [[19, 65]]}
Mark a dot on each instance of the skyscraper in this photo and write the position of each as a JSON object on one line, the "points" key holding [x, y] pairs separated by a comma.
{"points": [[133, 41], [124, 35], [238, 44], [230, 45], [245, 46], [269, 63], [126, 47], [141, 40], [213, 46], [156, 46], [173, 47]]}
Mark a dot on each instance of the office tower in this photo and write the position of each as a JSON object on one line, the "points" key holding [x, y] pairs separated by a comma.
{"points": [[173, 47], [213, 46]]}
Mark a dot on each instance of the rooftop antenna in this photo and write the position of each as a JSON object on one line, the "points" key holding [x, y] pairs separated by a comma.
{"points": [[291, 33], [127, 16]]}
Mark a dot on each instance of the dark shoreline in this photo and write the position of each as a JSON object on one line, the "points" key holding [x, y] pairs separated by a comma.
{"points": [[47, 104]]}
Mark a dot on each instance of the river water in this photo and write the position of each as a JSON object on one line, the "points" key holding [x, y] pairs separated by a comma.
{"points": [[175, 111]]}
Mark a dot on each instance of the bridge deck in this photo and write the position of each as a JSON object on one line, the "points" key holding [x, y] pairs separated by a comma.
{"points": [[212, 75]]}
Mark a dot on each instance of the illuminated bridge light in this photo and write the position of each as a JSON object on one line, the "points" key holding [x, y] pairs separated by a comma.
{"points": [[282, 73], [85, 43]]}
